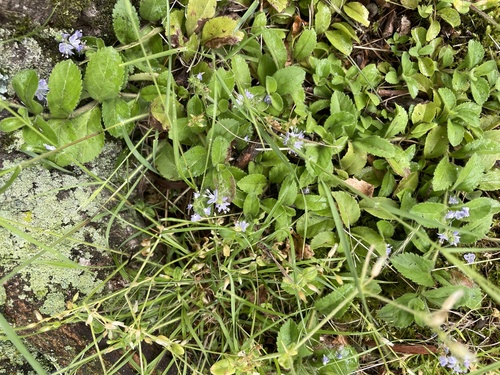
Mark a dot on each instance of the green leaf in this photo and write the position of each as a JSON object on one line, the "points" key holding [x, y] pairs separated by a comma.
{"points": [[471, 297], [114, 112], [85, 125], [436, 143], [480, 90], [357, 12], [398, 123], [276, 46], [340, 41], [468, 114], [220, 148], [125, 22], [65, 88], [433, 213], [197, 11], [305, 45], [288, 191], [322, 17], [329, 302], [223, 367], [153, 10], [450, 15], [348, 207], [426, 66], [25, 84], [279, 5], [470, 175], [165, 162], [444, 175], [241, 71], [221, 31], [455, 133], [490, 181], [289, 80], [286, 341], [396, 316], [433, 30], [104, 75], [414, 267], [448, 97], [10, 124], [254, 183], [193, 161], [251, 205], [375, 206], [376, 145], [475, 55]]}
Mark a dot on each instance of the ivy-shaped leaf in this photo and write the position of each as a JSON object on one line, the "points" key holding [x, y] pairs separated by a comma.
{"points": [[414, 267]]}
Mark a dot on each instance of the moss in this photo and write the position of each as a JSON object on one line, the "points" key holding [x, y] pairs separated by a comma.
{"points": [[46, 205]]}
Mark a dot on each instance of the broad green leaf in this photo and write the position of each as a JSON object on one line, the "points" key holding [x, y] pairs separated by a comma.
{"points": [[395, 315], [354, 160], [410, 4], [88, 124], [376, 205], [276, 46], [10, 124], [340, 41], [433, 30], [288, 191], [289, 80], [104, 75], [423, 113], [221, 31], [444, 175], [115, 112], [436, 143], [370, 238], [65, 88], [432, 213], [305, 45], [223, 367], [241, 71], [279, 5], [25, 84], [455, 133], [376, 145], [476, 230], [468, 114], [197, 12], [426, 66], [309, 225], [322, 17], [450, 15], [254, 183], [470, 175], [153, 10], [357, 12], [193, 161], [471, 296], [414, 267], [475, 55], [480, 90], [348, 207], [165, 162], [342, 102], [65, 132], [490, 181], [324, 239], [398, 123], [220, 149], [326, 304], [271, 85], [448, 97], [286, 341], [125, 22], [251, 205]]}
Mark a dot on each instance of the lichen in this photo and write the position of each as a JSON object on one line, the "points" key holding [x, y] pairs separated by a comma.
{"points": [[46, 206]]}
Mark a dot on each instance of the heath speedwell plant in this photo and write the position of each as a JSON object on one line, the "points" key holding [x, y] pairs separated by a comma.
{"points": [[314, 181]]}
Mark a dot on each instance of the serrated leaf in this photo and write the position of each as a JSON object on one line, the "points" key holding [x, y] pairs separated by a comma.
{"points": [[125, 22], [376, 145], [276, 46], [114, 112], [470, 175], [468, 113], [241, 72], [480, 90], [104, 75], [221, 31], [88, 124], [329, 302], [25, 84], [455, 133], [220, 148], [286, 341], [398, 123], [433, 213], [289, 80], [357, 12], [436, 142], [193, 161], [305, 45], [375, 206], [444, 175], [471, 296], [165, 162], [490, 181], [153, 10], [65, 87], [288, 191], [475, 54], [348, 207], [414, 267], [396, 316], [254, 183]]}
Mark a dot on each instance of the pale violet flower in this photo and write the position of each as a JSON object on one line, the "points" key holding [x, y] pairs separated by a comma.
{"points": [[388, 249], [200, 75], [196, 195], [195, 217], [240, 97], [49, 147], [453, 239], [453, 200], [294, 138], [456, 366], [241, 226], [207, 211], [267, 99], [221, 203], [470, 257], [71, 44], [442, 237], [325, 360], [223, 206], [212, 197], [248, 94], [458, 215], [42, 90]]}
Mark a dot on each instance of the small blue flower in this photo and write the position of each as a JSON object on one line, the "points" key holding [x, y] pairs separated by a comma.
{"points": [[212, 197], [453, 200], [267, 99], [459, 215], [248, 94], [42, 90], [388, 249], [470, 257], [49, 147], [71, 43], [442, 237], [454, 239], [207, 211], [295, 139], [325, 360], [443, 360], [241, 226], [195, 217], [223, 206], [200, 75]]}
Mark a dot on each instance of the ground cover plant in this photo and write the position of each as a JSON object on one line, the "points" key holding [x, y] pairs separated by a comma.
{"points": [[320, 181]]}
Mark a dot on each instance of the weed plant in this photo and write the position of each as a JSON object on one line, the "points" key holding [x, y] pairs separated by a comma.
{"points": [[320, 181]]}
